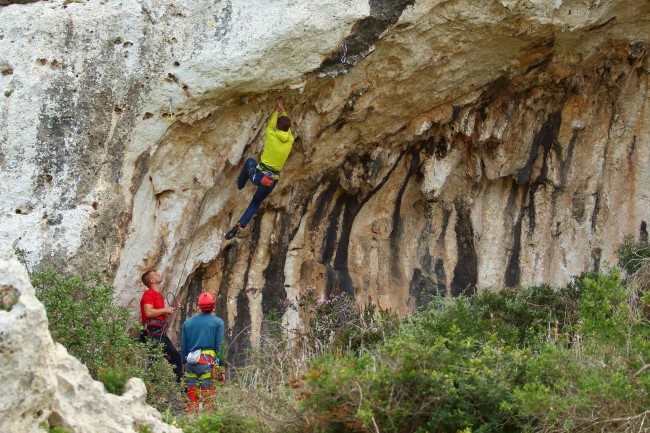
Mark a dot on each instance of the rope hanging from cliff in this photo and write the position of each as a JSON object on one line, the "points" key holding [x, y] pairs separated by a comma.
{"points": [[173, 302], [198, 221]]}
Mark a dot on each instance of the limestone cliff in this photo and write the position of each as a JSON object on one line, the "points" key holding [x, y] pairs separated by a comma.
{"points": [[441, 146], [42, 383]]}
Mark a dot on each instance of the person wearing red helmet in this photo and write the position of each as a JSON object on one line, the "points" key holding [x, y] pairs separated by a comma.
{"points": [[201, 340]]}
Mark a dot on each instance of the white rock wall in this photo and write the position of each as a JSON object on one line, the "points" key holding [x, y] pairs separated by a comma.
{"points": [[462, 144], [90, 88], [42, 383]]}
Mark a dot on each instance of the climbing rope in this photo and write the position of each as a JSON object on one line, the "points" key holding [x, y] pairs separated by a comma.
{"points": [[180, 278], [344, 57], [173, 302], [198, 221]]}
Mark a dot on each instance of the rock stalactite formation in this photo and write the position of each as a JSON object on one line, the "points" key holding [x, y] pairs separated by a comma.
{"points": [[441, 147]]}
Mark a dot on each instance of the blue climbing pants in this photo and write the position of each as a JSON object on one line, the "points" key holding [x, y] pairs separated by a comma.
{"points": [[251, 172]]}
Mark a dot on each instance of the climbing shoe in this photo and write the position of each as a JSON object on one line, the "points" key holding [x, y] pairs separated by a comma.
{"points": [[233, 231]]}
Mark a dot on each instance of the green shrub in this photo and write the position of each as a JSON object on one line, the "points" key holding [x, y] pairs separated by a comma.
{"points": [[145, 428], [341, 323], [114, 379], [44, 425], [601, 382], [526, 313], [631, 254], [536, 359], [419, 381], [83, 317], [221, 421]]}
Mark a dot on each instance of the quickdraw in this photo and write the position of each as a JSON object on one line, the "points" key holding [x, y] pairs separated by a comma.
{"points": [[170, 114]]}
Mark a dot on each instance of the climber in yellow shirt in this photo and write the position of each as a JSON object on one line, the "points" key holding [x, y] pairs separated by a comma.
{"points": [[266, 174]]}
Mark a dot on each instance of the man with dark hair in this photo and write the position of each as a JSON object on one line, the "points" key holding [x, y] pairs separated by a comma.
{"points": [[266, 174], [153, 311], [201, 341]]}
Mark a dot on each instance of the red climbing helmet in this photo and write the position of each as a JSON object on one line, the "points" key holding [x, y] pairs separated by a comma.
{"points": [[206, 302]]}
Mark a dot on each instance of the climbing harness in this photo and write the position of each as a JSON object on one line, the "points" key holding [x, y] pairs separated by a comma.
{"points": [[269, 174], [263, 167], [344, 57], [206, 357], [155, 328]]}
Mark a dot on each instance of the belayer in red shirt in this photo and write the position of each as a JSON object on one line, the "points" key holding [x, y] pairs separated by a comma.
{"points": [[154, 320]]}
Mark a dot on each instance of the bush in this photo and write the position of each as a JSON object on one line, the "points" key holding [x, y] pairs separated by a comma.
{"points": [[632, 255], [114, 379], [340, 323], [421, 379], [221, 421], [601, 382], [83, 317], [574, 359]]}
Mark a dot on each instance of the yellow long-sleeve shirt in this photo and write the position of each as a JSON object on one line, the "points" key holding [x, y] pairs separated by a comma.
{"points": [[277, 144]]}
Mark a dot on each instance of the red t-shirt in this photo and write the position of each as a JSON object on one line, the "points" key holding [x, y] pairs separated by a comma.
{"points": [[154, 299]]}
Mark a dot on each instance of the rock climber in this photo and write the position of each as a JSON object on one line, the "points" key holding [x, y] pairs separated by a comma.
{"points": [[266, 174], [201, 340], [154, 319]]}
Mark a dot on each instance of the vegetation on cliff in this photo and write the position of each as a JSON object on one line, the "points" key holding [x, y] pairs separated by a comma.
{"points": [[84, 318], [532, 359]]}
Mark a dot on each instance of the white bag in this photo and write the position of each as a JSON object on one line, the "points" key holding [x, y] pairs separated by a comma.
{"points": [[194, 356]]}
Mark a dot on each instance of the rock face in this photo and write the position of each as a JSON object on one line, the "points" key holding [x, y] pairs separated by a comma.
{"points": [[41, 382], [442, 147]]}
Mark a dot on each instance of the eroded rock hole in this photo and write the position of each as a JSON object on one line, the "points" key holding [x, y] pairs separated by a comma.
{"points": [[161, 196], [8, 297], [147, 115]]}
